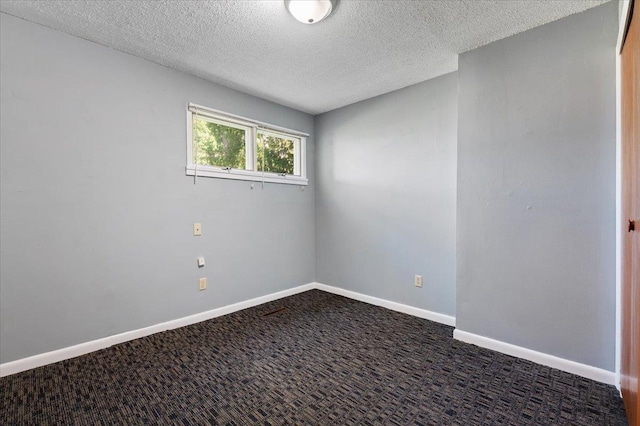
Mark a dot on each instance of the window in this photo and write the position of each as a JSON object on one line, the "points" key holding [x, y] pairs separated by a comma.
{"points": [[276, 153], [220, 144], [227, 146]]}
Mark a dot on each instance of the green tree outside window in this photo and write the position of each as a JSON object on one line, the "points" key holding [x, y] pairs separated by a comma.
{"points": [[225, 146], [276, 154], [219, 145]]}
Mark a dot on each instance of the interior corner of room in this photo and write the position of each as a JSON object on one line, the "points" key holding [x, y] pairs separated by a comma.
{"points": [[487, 199]]}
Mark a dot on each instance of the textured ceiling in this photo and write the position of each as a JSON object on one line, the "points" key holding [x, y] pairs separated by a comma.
{"points": [[364, 49]]}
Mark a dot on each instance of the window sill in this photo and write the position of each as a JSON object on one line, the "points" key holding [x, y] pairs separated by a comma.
{"points": [[247, 175]]}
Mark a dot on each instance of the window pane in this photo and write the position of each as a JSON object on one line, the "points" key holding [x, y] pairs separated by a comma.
{"points": [[275, 154], [218, 145]]}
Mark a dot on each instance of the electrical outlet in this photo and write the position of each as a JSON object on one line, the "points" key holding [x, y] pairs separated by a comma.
{"points": [[418, 280], [197, 229], [203, 283]]}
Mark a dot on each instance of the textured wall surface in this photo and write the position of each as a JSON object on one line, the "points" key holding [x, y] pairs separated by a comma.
{"points": [[536, 189], [96, 210], [386, 206]]}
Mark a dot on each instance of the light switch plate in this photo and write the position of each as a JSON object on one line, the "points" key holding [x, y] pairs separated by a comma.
{"points": [[418, 280]]}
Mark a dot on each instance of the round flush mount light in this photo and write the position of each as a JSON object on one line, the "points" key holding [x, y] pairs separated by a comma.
{"points": [[310, 11]]}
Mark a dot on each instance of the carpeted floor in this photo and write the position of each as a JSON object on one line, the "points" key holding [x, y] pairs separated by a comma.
{"points": [[324, 360]]}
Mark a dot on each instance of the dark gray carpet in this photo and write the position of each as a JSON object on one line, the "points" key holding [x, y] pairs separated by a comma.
{"points": [[323, 360]]}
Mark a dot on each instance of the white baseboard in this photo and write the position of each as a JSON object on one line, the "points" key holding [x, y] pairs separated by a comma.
{"points": [[39, 360], [593, 373], [394, 306]]}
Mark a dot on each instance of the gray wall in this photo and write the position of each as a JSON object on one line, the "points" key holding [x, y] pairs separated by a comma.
{"points": [[536, 189], [385, 201], [96, 210]]}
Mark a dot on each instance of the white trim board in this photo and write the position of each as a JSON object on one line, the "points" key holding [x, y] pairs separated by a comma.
{"points": [[583, 370], [593, 373], [394, 306], [69, 352], [624, 20], [618, 318], [39, 360]]}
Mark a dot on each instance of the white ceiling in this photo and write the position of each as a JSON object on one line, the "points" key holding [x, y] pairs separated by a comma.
{"points": [[364, 49]]}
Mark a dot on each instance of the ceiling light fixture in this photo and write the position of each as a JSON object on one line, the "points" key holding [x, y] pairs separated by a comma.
{"points": [[310, 11]]}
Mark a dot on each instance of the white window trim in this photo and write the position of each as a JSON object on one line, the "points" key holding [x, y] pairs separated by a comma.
{"points": [[300, 170]]}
